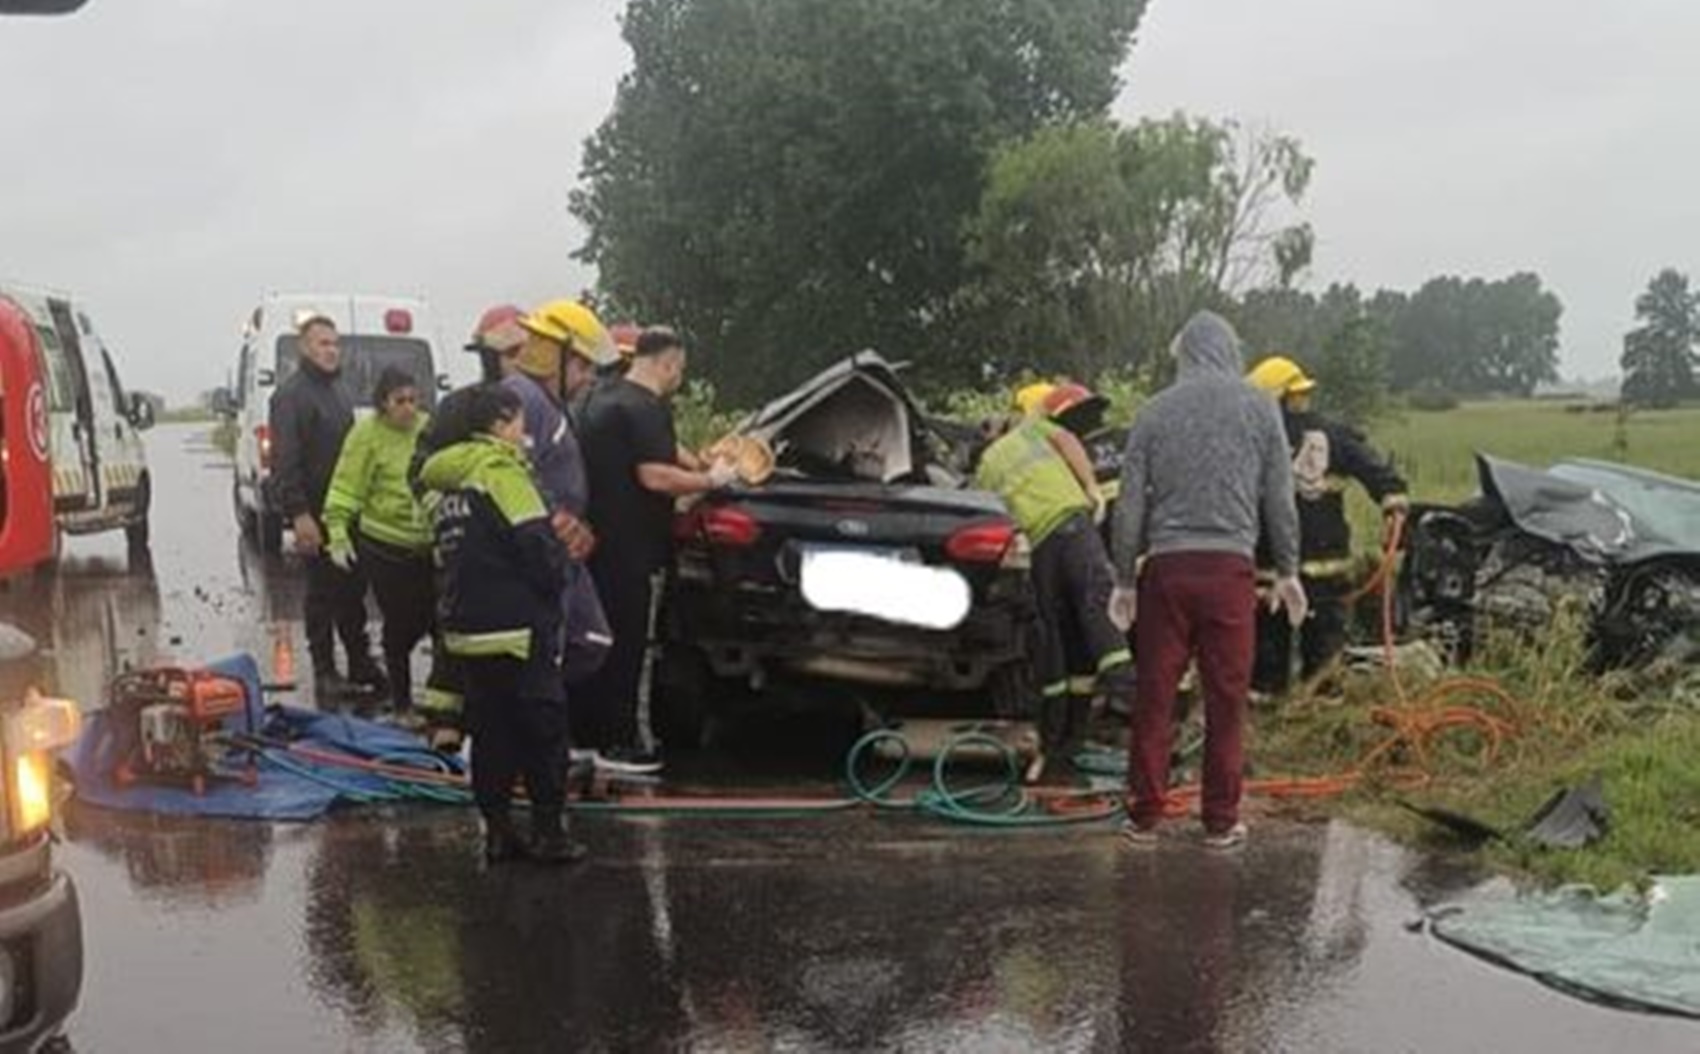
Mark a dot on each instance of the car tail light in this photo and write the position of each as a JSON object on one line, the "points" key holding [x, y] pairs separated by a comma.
{"points": [[981, 543], [263, 442], [398, 321], [730, 528]]}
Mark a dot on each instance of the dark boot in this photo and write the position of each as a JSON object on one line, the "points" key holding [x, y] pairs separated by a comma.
{"points": [[329, 687], [366, 675], [502, 842], [549, 841], [400, 671]]}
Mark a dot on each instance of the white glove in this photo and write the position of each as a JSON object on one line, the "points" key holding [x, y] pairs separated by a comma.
{"points": [[1124, 607], [722, 474], [1290, 595], [342, 557]]}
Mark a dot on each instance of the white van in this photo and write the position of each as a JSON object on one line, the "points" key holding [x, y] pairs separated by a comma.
{"points": [[376, 332], [100, 466]]}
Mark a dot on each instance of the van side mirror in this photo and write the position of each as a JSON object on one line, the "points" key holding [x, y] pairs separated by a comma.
{"points": [[444, 384], [223, 402], [265, 378], [141, 412]]}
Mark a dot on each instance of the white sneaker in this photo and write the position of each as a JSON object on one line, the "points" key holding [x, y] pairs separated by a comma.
{"points": [[1138, 837], [1232, 838], [629, 761]]}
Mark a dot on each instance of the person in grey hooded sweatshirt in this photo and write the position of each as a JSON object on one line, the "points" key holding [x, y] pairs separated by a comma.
{"points": [[1206, 467]]}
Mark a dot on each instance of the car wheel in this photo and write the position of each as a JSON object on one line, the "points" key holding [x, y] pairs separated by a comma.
{"points": [[679, 705], [246, 521], [1013, 691], [269, 532], [136, 532]]}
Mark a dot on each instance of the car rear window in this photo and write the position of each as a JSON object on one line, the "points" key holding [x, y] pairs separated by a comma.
{"points": [[364, 358]]}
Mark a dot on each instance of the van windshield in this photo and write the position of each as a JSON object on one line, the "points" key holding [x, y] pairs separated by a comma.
{"points": [[364, 358]]}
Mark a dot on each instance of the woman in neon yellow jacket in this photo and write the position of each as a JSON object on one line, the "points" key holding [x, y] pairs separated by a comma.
{"points": [[372, 518]]}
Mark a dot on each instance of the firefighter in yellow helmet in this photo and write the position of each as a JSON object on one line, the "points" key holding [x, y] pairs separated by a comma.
{"points": [[1327, 456], [1042, 471]]}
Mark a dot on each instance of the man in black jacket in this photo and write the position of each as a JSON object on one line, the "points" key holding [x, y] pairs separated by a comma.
{"points": [[1327, 456], [310, 416]]}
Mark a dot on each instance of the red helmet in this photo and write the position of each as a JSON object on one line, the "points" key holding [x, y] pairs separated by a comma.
{"points": [[498, 329], [1076, 407], [1066, 397]]}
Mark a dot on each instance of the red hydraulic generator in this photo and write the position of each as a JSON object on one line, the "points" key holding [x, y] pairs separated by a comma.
{"points": [[171, 723]]}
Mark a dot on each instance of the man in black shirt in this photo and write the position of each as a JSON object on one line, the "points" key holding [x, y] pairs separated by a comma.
{"points": [[632, 456], [310, 415]]}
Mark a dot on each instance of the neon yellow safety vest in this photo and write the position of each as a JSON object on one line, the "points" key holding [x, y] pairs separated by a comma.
{"points": [[1031, 477]]}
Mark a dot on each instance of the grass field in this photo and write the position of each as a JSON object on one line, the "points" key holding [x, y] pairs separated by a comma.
{"points": [[1435, 450]]}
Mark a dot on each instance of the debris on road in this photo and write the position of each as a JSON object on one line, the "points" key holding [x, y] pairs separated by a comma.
{"points": [[1572, 818]]}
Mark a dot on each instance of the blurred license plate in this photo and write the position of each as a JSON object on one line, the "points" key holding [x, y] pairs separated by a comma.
{"points": [[887, 584]]}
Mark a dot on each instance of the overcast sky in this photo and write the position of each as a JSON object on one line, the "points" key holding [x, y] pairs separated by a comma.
{"points": [[169, 160]]}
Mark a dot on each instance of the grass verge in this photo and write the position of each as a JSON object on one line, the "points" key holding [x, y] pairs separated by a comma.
{"points": [[1461, 745]]}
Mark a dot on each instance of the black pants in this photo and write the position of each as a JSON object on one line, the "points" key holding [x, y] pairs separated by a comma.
{"points": [[1072, 582], [402, 581], [336, 605], [513, 736], [1321, 638], [605, 706]]}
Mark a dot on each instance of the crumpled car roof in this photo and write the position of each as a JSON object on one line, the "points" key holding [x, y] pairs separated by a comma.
{"points": [[1607, 513]]}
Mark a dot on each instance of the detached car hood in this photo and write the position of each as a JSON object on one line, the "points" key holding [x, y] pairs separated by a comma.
{"points": [[1604, 512]]}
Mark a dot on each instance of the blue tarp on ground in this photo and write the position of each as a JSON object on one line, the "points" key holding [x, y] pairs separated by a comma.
{"points": [[305, 793], [1641, 952]]}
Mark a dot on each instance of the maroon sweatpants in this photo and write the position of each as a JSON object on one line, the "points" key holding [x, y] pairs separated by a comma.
{"points": [[1203, 606]]}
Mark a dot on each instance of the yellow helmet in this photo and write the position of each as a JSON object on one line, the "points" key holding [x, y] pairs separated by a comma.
{"points": [[1030, 399], [574, 327], [1281, 377]]}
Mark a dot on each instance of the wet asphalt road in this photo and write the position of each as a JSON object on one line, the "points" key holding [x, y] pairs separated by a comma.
{"points": [[378, 930]]}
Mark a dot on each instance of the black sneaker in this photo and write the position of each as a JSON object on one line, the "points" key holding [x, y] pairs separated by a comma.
{"points": [[368, 677], [330, 688], [502, 844], [629, 761]]}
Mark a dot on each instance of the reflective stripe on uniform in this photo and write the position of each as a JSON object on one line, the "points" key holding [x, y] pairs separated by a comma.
{"points": [[512, 643], [1119, 657], [1337, 567], [1055, 690], [1082, 685], [438, 701]]}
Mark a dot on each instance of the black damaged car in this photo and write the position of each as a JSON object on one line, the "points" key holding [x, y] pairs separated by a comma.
{"points": [[864, 559]]}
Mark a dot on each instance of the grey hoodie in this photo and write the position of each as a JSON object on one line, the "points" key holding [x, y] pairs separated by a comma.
{"points": [[1206, 460]]}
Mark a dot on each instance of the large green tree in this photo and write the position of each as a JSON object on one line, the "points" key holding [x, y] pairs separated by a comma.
{"points": [[1095, 241], [789, 181], [1660, 355]]}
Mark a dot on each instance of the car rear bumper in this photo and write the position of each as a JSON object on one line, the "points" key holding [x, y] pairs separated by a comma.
{"points": [[42, 935], [751, 636]]}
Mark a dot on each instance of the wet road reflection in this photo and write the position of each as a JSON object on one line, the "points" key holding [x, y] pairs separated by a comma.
{"points": [[380, 930]]}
